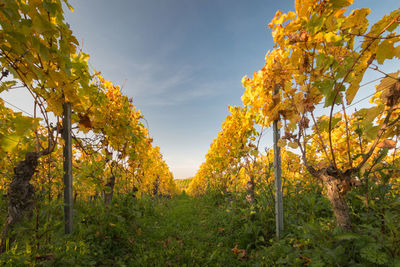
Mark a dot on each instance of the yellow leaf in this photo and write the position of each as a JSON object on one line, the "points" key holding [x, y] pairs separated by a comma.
{"points": [[357, 21], [298, 101], [332, 37], [353, 89], [339, 13], [385, 51], [281, 142], [8, 143], [397, 52], [341, 3], [303, 7], [293, 145]]}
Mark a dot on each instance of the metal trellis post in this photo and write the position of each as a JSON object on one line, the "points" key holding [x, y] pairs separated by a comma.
{"points": [[278, 177], [67, 153]]}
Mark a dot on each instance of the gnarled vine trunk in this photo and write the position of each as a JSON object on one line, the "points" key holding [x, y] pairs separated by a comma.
{"points": [[250, 190], [134, 191], [109, 192], [156, 185], [336, 190], [20, 196]]}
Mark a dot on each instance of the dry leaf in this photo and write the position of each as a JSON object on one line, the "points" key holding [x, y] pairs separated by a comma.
{"points": [[387, 144]]}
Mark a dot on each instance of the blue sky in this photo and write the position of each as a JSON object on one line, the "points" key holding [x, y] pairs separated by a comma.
{"points": [[182, 61]]}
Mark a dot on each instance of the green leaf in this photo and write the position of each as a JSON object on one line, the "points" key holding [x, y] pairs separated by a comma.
{"points": [[371, 131], [23, 124], [325, 86], [50, 7], [331, 97], [9, 142], [382, 154], [17, 36], [373, 254], [4, 86], [369, 114], [323, 123], [44, 52], [315, 23]]}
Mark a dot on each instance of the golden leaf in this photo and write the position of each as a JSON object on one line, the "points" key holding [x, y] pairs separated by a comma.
{"points": [[293, 145], [385, 51], [281, 142]]}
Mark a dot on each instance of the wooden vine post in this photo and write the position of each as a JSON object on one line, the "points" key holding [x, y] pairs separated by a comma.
{"points": [[67, 154], [278, 177]]}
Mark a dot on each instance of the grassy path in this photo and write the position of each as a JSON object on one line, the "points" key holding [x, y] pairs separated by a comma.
{"points": [[185, 232]]}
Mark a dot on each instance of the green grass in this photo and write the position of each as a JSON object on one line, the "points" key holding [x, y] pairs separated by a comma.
{"points": [[186, 232], [182, 231]]}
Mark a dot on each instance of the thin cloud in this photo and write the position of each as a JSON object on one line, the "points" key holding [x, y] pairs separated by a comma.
{"points": [[187, 92], [152, 79]]}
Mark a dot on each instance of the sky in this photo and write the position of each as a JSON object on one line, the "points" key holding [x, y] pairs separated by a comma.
{"points": [[181, 61]]}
